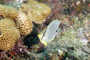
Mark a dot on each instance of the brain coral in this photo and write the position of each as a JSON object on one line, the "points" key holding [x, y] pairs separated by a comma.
{"points": [[37, 12], [9, 34]]}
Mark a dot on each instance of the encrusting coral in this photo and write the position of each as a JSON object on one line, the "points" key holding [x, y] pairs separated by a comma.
{"points": [[9, 34], [36, 12]]}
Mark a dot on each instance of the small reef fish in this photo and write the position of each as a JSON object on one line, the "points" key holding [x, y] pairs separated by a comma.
{"points": [[49, 33]]}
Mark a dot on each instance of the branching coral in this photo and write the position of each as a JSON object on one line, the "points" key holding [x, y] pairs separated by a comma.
{"points": [[9, 34]]}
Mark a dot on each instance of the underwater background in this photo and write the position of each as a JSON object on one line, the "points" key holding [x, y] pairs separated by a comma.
{"points": [[44, 30]]}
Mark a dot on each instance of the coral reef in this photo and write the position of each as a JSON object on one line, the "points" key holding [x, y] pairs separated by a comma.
{"points": [[16, 19], [8, 11], [72, 41], [23, 24], [33, 12], [9, 34], [36, 12]]}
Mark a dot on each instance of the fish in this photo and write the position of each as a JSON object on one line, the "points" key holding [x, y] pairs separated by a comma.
{"points": [[49, 33]]}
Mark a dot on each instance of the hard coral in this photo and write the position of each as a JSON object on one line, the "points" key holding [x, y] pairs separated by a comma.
{"points": [[23, 24], [21, 19], [8, 11], [32, 11], [36, 12], [9, 34]]}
